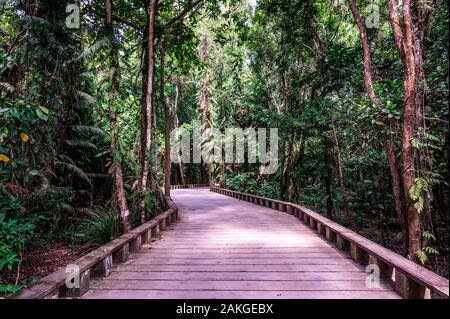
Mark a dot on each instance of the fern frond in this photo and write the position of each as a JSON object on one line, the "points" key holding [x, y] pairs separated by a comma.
{"points": [[89, 130], [8, 87], [82, 144], [66, 158], [65, 207], [87, 97], [75, 170], [98, 45]]}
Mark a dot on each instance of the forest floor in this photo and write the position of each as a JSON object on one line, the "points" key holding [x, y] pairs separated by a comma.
{"points": [[39, 262]]}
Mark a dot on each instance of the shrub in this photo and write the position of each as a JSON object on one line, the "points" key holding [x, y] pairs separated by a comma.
{"points": [[14, 235]]}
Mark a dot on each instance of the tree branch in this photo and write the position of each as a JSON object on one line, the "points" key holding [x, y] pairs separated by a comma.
{"points": [[182, 14]]}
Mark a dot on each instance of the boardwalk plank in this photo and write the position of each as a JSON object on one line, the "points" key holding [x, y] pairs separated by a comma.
{"points": [[227, 248], [208, 294]]}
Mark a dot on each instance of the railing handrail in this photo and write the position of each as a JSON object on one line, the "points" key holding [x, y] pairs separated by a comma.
{"points": [[411, 280], [188, 186]]}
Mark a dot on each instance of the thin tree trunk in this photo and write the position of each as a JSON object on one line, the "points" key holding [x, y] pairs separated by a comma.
{"points": [[167, 161], [330, 205], [149, 98], [347, 210], [176, 124], [397, 188], [118, 173], [204, 101], [143, 118]]}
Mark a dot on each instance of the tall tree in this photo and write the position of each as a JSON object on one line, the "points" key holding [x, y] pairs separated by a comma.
{"points": [[204, 101], [176, 124], [117, 165], [344, 192], [149, 106], [404, 38], [167, 160]]}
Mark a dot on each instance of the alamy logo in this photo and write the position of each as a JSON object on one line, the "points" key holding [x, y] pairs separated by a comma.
{"points": [[373, 277], [73, 19], [73, 279], [234, 145]]}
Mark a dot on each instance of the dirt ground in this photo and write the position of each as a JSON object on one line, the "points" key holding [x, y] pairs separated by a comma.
{"points": [[39, 262]]}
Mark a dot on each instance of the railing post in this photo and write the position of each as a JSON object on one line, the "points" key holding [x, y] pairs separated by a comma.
{"points": [[313, 223], [330, 235], [342, 243], [408, 288], [135, 244], [306, 219], [289, 209], [122, 254], [82, 283], [146, 236], [102, 268], [321, 229], [385, 270], [358, 254]]}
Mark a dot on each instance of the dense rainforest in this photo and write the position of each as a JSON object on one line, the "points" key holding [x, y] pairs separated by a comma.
{"points": [[90, 91]]}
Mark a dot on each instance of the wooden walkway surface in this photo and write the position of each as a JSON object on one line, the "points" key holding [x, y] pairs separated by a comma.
{"points": [[227, 248]]}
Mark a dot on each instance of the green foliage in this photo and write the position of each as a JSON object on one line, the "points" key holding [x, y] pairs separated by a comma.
{"points": [[14, 235], [98, 228], [247, 182], [9, 289], [244, 182]]}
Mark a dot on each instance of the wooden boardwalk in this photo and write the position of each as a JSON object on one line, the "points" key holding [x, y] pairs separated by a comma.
{"points": [[227, 248]]}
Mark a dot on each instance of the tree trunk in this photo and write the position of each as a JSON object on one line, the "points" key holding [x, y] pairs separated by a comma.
{"points": [[404, 39], [176, 124], [149, 99], [347, 210], [143, 101], [397, 189], [408, 152], [330, 205], [167, 161], [204, 101], [400, 195], [118, 173]]}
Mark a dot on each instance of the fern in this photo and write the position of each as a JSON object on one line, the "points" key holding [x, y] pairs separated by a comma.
{"points": [[75, 170], [98, 227], [428, 235], [422, 256]]}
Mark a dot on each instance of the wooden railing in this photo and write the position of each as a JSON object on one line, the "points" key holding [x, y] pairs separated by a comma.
{"points": [[188, 186], [98, 263], [409, 279]]}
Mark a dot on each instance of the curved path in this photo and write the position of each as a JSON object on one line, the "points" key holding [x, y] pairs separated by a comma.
{"points": [[227, 248]]}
